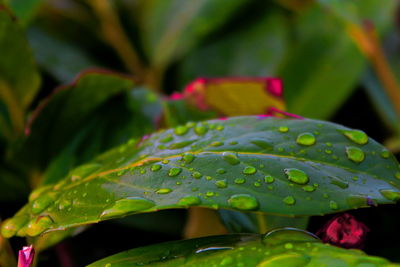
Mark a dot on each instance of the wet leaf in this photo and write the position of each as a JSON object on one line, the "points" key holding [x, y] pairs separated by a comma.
{"points": [[244, 163], [283, 247]]}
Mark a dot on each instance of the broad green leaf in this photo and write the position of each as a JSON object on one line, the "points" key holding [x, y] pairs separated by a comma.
{"points": [[256, 49], [338, 66], [283, 247], [59, 58], [25, 9], [171, 28], [250, 163], [19, 78]]}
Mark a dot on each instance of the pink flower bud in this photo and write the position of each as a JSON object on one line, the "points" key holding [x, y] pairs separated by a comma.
{"points": [[25, 256]]}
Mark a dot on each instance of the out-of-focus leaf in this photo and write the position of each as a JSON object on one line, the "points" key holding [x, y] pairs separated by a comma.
{"points": [[254, 50], [61, 59], [171, 28], [250, 163], [13, 186], [7, 258], [19, 78], [312, 75], [25, 9], [283, 247]]}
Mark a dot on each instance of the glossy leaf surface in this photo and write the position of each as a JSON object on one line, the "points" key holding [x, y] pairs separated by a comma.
{"points": [[249, 163], [285, 247]]}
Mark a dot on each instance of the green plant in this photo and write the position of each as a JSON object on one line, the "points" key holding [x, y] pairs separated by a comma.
{"points": [[111, 146]]}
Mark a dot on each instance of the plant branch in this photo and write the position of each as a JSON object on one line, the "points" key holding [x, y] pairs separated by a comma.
{"points": [[367, 40], [115, 35]]}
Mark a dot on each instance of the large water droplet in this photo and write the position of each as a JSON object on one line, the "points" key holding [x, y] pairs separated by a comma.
{"points": [[289, 200], [269, 179], [358, 137], [155, 167], [283, 129], [42, 202], [306, 139], [181, 130], [127, 205], [243, 202], [249, 170], [196, 175], [355, 154], [11, 226], [221, 171], [38, 225], [296, 176], [163, 191], [390, 194], [174, 172], [338, 182], [221, 184], [188, 157], [231, 158], [189, 201], [200, 129]]}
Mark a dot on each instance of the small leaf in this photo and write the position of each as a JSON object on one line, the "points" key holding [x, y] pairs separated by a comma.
{"points": [[125, 177], [282, 247]]}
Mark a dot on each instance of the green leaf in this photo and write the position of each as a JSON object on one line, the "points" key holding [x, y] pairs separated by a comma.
{"points": [[19, 78], [283, 247], [279, 166], [25, 9], [338, 66], [171, 28], [61, 59], [237, 54]]}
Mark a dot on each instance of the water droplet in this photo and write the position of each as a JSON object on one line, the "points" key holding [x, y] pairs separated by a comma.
{"points": [[221, 184], [231, 158], [155, 167], [189, 201], [354, 178], [390, 194], [262, 144], [64, 204], [257, 184], [164, 191], [289, 200], [297, 176], [188, 157], [219, 128], [269, 179], [208, 178], [38, 225], [240, 180], [216, 144], [306, 139], [221, 171], [328, 151], [328, 144], [249, 170], [200, 129], [339, 182], [233, 143], [174, 172], [11, 226], [283, 129], [355, 154], [210, 193], [385, 154], [126, 205], [181, 130], [196, 175], [165, 161], [243, 202], [358, 137], [333, 205], [167, 139], [325, 195], [309, 188], [42, 202], [182, 144]]}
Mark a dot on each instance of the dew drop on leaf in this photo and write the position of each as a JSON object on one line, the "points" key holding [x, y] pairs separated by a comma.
{"points": [[289, 200], [221, 171], [221, 184], [130, 204], [181, 130], [385, 154], [333, 205], [309, 188], [196, 175], [200, 129], [390, 194], [338, 182], [216, 144], [269, 179], [231, 158], [163, 191], [174, 172], [155, 167], [189, 201], [240, 180], [283, 129], [358, 137], [306, 139], [296, 176], [243, 202], [249, 170], [188, 157], [355, 154]]}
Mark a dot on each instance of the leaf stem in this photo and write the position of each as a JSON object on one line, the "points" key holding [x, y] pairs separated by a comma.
{"points": [[14, 108], [367, 40], [115, 35], [262, 223]]}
